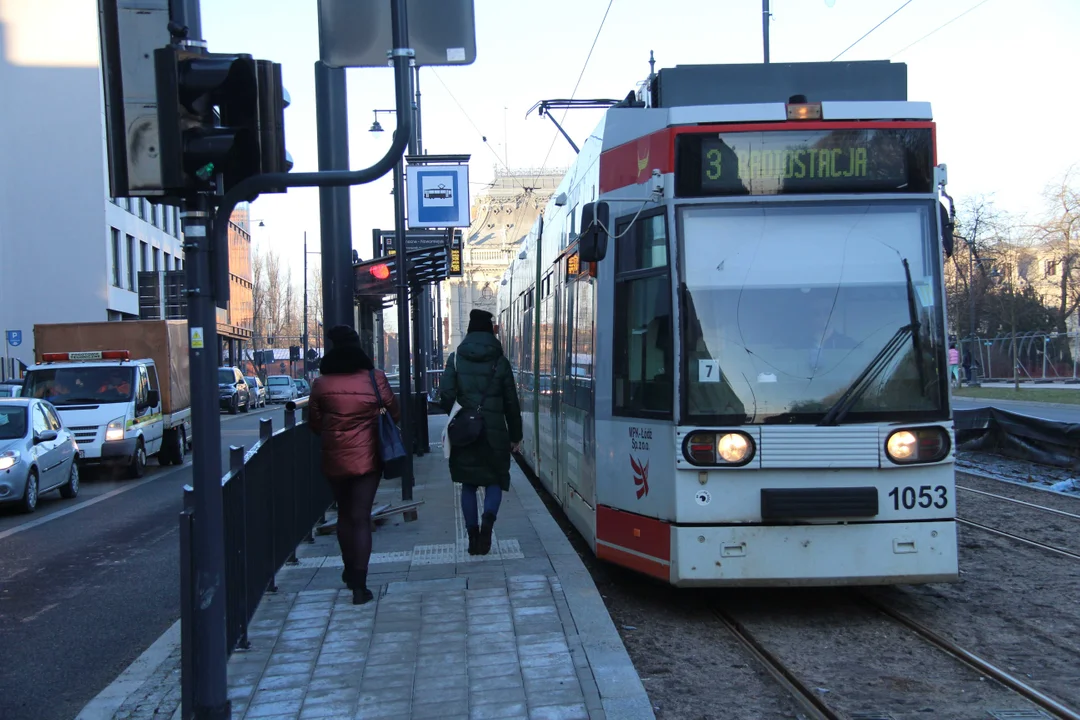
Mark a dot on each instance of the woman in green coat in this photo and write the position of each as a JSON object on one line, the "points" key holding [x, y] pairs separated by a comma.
{"points": [[478, 374]]}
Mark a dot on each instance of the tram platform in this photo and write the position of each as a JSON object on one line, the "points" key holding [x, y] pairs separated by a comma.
{"points": [[519, 633]]}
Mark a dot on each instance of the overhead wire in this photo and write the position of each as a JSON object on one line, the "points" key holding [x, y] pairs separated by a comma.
{"points": [[872, 30], [555, 137], [939, 27], [478, 131]]}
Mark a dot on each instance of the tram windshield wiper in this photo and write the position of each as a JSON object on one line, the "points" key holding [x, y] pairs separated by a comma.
{"points": [[870, 373]]}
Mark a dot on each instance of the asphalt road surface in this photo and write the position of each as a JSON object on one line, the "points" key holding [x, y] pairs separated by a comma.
{"points": [[1059, 413], [86, 585]]}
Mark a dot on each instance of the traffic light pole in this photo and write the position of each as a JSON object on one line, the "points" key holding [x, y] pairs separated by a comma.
{"points": [[210, 655], [332, 118]]}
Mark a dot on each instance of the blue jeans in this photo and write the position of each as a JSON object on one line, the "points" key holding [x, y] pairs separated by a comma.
{"points": [[492, 500]]}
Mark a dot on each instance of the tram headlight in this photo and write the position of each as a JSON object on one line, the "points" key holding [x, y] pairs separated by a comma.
{"points": [[917, 445], [718, 448], [733, 447]]}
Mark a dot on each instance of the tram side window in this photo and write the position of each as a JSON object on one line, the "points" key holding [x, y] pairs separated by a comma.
{"points": [[643, 372]]}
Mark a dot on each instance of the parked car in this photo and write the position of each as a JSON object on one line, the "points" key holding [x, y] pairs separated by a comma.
{"points": [[257, 390], [281, 388], [11, 388], [233, 390], [302, 387], [37, 453]]}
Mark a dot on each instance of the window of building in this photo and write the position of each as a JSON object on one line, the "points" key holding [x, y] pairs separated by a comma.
{"points": [[1051, 267], [142, 207], [130, 263], [157, 259], [168, 262], [643, 372], [154, 215], [144, 255], [116, 274], [176, 222], [179, 264]]}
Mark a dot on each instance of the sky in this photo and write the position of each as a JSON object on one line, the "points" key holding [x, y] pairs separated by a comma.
{"points": [[1001, 74]]}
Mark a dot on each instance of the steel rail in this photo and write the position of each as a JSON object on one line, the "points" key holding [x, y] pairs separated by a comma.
{"points": [[974, 661], [1034, 543], [1074, 516], [815, 708]]}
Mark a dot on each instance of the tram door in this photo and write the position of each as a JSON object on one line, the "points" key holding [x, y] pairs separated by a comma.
{"points": [[547, 422], [564, 300]]}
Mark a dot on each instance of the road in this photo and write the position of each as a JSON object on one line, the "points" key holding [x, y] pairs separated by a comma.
{"points": [[1061, 413], [86, 585]]}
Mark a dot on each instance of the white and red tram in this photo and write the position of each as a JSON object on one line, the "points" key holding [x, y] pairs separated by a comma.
{"points": [[728, 329]]}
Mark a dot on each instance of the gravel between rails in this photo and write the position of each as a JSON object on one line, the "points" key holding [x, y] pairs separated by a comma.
{"points": [[860, 661], [1015, 606], [1036, 494]]}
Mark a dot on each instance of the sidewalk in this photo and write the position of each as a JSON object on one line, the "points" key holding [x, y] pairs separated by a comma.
{"points": [[519, 633]]}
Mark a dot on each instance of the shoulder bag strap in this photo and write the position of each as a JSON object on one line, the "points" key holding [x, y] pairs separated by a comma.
{"points": [[378, 394]]}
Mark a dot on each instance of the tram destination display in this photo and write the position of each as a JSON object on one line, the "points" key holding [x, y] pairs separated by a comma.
{"points": [[790, 162]]}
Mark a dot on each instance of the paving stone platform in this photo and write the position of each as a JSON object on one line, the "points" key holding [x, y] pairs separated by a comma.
{"points": [[519, 633]]}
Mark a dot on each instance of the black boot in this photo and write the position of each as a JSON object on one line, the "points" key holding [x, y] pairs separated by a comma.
{"points": [[357, 582], [474, 540], [484, 543]]}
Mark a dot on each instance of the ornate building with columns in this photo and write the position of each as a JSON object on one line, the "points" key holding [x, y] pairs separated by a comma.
{"points": [[502, 216]]}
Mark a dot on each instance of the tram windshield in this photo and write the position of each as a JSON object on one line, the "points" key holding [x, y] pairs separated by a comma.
{"points": [[787, 307]]}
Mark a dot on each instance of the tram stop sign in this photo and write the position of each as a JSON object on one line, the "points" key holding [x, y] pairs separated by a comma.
{"points": [[357, 33]]}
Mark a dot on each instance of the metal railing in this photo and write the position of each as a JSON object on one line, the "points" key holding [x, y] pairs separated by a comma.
{"points": [[273, 496], [1040, 356]]}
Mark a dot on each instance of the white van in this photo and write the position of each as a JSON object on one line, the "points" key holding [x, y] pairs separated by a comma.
{"points": [[113, 406]]}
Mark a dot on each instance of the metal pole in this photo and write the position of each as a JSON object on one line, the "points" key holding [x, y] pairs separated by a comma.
{"points": [[423, 314], [304, 359], [332, 116], [440, 363], [210, 656], [405, 371], [211, 699], [765, 27]]}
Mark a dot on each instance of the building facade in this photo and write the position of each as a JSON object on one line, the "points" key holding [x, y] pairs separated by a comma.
{"points": [[502, 216], [69, 252]]}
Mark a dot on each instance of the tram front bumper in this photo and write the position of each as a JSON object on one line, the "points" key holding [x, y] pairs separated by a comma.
{"points": [[814, 555]]}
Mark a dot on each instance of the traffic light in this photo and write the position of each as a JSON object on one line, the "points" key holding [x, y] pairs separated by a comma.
{"points": [[208, 117], [273, 99], [380, 271], [294, 353]]}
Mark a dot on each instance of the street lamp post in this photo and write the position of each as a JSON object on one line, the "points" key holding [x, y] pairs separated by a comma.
{"points": [[306, 338]]}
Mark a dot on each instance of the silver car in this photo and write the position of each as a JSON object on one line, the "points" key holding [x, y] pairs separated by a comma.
{"points": [[37, 453]]}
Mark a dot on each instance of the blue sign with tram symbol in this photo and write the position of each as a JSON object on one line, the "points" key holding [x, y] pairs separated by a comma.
{"points": [[438, 196], [14, 338]]}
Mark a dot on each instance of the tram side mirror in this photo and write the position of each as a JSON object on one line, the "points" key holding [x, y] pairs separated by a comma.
{"points": [[947, 229], [593, 240]]}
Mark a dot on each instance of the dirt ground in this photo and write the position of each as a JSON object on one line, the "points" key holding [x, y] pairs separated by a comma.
{"points": [[1014, 605]]}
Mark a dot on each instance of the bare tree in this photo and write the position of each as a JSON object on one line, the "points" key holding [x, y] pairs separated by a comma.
{"points": [[980, 228], [1058, 239]]}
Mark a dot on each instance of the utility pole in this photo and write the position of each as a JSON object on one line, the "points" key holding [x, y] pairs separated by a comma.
{"points": [[765, 14]]}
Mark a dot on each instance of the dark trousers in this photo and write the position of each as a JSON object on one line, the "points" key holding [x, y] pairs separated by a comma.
{"points": [[355, 496]]}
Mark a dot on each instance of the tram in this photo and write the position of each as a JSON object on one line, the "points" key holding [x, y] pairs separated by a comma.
{"points": [[728, 330]]}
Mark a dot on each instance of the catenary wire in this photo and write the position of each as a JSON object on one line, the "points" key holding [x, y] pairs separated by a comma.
{"points": [[477, 129], [555, 137], [939, 27], [872, 30]]}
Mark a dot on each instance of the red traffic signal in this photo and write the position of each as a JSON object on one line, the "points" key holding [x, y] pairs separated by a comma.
{"points": [[380, 271]]}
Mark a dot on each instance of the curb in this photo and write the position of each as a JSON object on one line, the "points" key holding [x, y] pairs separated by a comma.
{"points": [[621, 690], [109, 700]]}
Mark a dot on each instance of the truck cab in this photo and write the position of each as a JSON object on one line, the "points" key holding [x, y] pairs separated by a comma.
{"points": [[110, 402]]}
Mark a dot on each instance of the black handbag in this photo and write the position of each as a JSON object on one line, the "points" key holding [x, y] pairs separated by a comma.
{"points": [[468, 427], [391, 448]]}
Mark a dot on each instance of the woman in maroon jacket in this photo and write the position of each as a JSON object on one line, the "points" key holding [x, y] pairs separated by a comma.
{"points": [[343, 410]]}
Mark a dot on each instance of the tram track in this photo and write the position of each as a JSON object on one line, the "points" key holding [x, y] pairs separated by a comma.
{"points": [[1028, 506], [813, 704]]}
